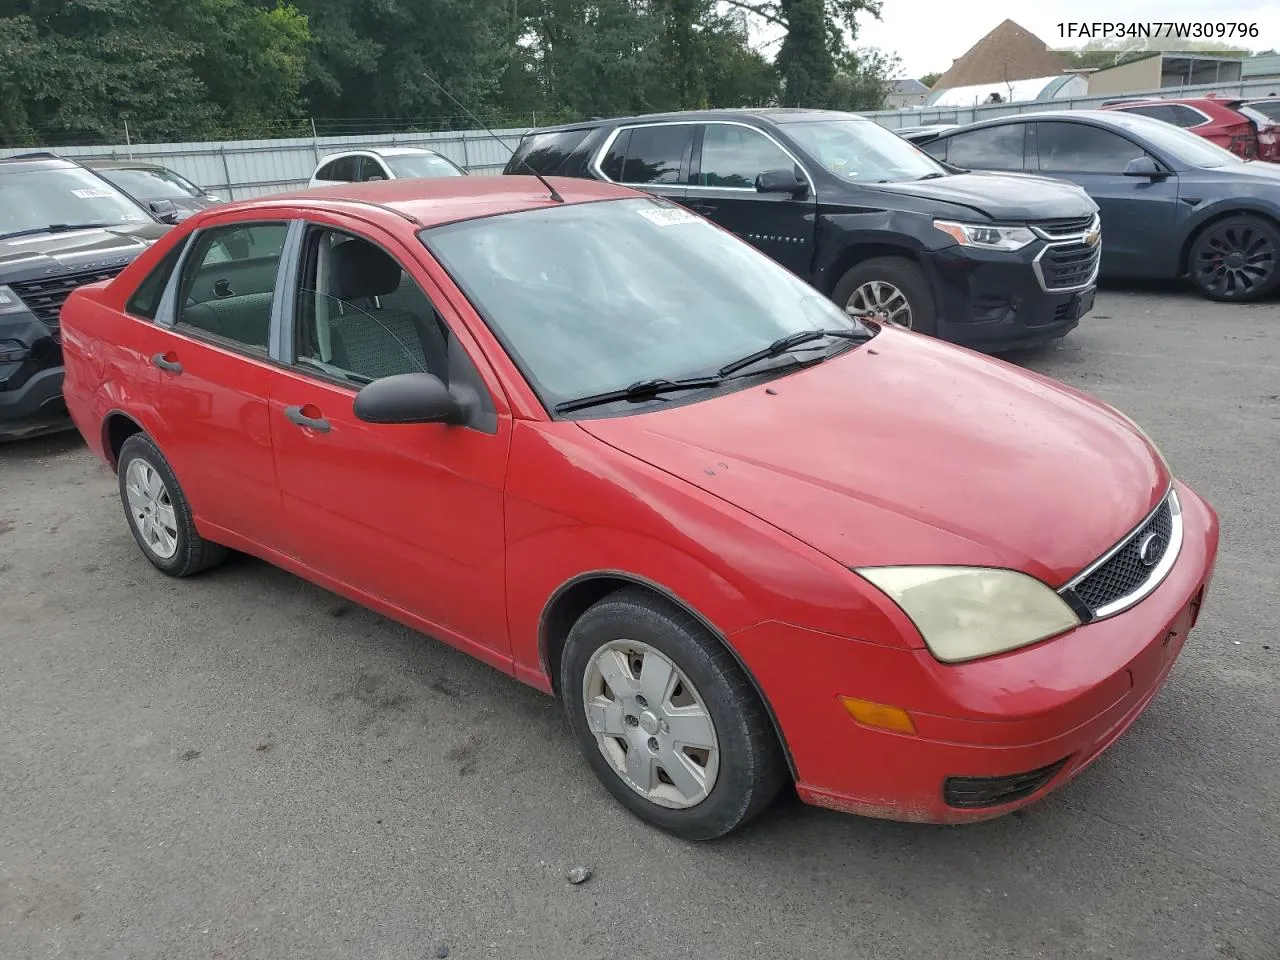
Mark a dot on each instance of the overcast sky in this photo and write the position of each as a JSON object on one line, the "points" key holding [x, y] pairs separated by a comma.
{"points": [[929, 34]]}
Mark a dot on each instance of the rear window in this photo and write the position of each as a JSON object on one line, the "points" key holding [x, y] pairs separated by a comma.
{"points": [[546, 152]]}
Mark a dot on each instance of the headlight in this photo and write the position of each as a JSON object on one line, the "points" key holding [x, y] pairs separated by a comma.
{"points": [[965, 613], [10, 303], [984, 236]]}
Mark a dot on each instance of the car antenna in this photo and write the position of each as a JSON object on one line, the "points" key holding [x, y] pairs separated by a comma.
{"points": [[555, 195]]}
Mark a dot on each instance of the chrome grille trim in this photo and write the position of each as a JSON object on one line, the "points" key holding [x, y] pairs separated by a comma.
{"points": [[1157, 575]]}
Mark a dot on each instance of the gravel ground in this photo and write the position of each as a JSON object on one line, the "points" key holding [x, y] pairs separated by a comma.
{"points": [[244, 766]]}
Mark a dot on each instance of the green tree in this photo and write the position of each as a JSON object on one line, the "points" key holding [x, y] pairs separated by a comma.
{"points": [[929, 79]]}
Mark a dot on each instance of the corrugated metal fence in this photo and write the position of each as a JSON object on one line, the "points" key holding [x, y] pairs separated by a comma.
{"points": [[239, 169]]}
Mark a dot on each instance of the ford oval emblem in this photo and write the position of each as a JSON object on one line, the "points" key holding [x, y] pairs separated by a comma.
{"points": [[1151, 549]]}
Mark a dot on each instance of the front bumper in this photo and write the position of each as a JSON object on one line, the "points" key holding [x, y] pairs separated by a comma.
{"points": [[31, 388], [990, 736], [992, 301]]}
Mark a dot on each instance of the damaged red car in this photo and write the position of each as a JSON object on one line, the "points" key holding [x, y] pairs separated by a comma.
{"points": [[748, 540]]}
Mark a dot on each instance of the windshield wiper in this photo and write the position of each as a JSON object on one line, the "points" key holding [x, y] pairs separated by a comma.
{"points": [[783, 344], [53, 228], [930, 176], [640, 390]]}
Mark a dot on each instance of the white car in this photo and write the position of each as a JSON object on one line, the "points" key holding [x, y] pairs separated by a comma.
{"points": [[383, 163]]}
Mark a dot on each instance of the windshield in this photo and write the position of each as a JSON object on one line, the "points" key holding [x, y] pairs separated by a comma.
{"points": [[1189, 148], [153, 184], [420, 165], [863, 151], [595, 297], [38, 199]]}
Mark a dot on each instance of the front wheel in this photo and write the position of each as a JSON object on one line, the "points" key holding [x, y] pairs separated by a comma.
{"points": [[666, 718], [1235, 260], [894, 289]]}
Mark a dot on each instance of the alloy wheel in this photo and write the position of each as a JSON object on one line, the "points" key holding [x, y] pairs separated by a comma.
{"points": [[651, 724], [1234, 260], [151, 509], [883, 300]]}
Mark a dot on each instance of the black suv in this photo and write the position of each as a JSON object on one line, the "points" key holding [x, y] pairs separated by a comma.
{"points": [[988, 260], [61, 226]]}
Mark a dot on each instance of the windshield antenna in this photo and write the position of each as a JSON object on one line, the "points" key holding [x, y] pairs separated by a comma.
{"points": [[476, 120]]}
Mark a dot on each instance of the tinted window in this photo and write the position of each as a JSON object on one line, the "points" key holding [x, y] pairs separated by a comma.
{"points": [[1080, 148], [733, 156], [145, 301], [545, 152], [228, 283], [654, 154], [343, 169], [617, 155], [1268, 108], [369, 169], [992, 148], [1156, 111], [936, 148], [1185, 116]]}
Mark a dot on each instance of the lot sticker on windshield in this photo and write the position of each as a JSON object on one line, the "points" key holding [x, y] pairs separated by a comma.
{"points": [[93, 193], [668, 216]]}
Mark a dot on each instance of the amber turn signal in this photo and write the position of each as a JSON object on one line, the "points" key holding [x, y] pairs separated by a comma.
{"points": [[879, 715]]}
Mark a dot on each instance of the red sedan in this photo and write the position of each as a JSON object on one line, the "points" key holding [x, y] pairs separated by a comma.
{"points": [[610, 449], [1246, 133]]}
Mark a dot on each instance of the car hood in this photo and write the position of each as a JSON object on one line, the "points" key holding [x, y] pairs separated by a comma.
{"points": [[1002, 196], [95, 248], [911, 451]]}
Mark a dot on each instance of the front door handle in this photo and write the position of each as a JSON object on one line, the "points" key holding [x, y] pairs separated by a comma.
{"points": [[162, 361], [295, 414], [705, 209]]}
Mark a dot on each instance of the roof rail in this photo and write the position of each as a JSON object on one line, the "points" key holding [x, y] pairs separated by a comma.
{"points": [[36, 155]]}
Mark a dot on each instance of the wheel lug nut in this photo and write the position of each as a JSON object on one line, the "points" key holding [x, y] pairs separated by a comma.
{"points": [[632, 721], [653, 744]]}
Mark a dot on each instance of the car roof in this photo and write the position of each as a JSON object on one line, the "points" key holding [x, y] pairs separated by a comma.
{"points": [[35, 160], [1103, 118], [381, 152], [428, 202], [776, 115]]}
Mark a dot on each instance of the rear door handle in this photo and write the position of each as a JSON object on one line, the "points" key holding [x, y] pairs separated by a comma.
{"points": [[295, 414], [173, 366]]}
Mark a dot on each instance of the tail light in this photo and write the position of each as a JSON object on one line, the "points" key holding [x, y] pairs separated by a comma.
{"points": [[1269, 142]]}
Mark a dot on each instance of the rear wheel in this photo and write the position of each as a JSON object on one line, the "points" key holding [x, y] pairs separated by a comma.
{"points": [[666, 718], [1236, 260], [158, 513], [894, 289]]}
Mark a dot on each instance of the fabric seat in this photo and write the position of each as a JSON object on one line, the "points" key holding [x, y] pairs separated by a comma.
{"points": [[245, 319], [384, 320]]}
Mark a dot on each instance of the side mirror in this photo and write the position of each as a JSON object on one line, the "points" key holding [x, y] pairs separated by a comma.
{"points": [[165, 211], [1143, 167], [408, 398], [781, 181]]}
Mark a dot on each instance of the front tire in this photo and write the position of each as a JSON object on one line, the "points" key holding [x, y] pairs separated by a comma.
{"points": [[893, 287], [667, 719], [158, 512], [1236, 259]]}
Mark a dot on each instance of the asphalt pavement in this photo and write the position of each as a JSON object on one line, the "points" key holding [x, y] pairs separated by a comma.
{"points": [[244, 766]]}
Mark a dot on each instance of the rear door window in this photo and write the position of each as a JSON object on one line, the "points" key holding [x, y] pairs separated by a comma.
{"points": [[991, 148], [649, 155], [343, 170], [1185, 116]]}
